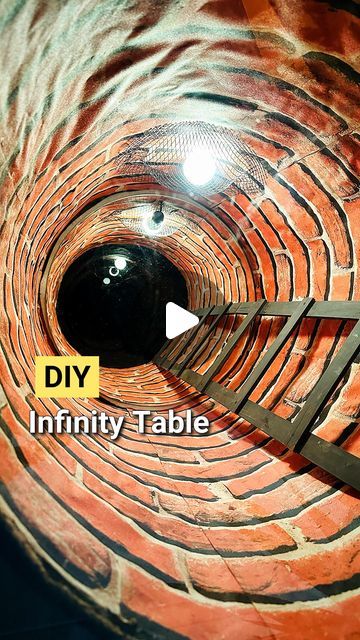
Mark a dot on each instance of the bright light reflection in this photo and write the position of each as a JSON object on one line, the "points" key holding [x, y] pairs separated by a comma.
{"points": [[199, 166], [151, 228], [120, 263]]}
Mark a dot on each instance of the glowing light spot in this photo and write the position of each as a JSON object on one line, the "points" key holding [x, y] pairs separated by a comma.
{"points": [[199, 167], [150, 227], [120, 263]]}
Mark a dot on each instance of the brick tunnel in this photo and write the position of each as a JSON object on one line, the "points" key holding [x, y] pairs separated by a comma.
{"points": [[228, 534]]}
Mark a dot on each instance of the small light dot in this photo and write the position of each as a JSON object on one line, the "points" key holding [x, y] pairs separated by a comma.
{"points": [[120, 263], [106, 281]]}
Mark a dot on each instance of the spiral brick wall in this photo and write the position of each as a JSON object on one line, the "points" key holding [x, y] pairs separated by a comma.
{"points": [[226, 535]]}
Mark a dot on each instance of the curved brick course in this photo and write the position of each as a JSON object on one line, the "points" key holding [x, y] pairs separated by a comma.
{"points": [[226, 534]]}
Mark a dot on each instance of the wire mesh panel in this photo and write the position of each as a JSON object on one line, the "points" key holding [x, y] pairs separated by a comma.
{"points": [[194, 157], [141, 218]]}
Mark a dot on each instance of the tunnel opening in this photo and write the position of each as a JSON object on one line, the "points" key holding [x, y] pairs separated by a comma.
{"points": [[112, 301]]}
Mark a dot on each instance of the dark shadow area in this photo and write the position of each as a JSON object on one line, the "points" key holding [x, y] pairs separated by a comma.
{"points": [[32, 609], [112, 302]]}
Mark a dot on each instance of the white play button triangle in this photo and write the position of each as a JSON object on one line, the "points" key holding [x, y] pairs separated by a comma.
{"points": [[178, 320]]}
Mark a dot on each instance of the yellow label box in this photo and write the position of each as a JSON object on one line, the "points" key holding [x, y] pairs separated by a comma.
{"points": [[67, 376]]}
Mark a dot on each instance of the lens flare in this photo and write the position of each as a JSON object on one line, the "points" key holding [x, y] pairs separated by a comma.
{"points": [[199, 166], [120, 263]]}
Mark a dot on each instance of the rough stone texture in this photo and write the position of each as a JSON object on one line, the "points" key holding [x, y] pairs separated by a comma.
{"points": [[226, 535]]}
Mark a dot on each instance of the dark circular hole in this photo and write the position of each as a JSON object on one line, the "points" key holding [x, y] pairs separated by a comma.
{"points": [[112, 301]]}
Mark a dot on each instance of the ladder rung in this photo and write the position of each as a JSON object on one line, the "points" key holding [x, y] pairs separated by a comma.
{"points": [[230, 345], [199, 345], [271, 353]]}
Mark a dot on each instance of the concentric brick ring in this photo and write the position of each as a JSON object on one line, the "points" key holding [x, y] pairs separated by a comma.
{"points": [[103, 224], [197, 536]]}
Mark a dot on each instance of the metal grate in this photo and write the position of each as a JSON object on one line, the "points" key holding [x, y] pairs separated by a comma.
{"points": [[139, 218], [162, 151]]}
